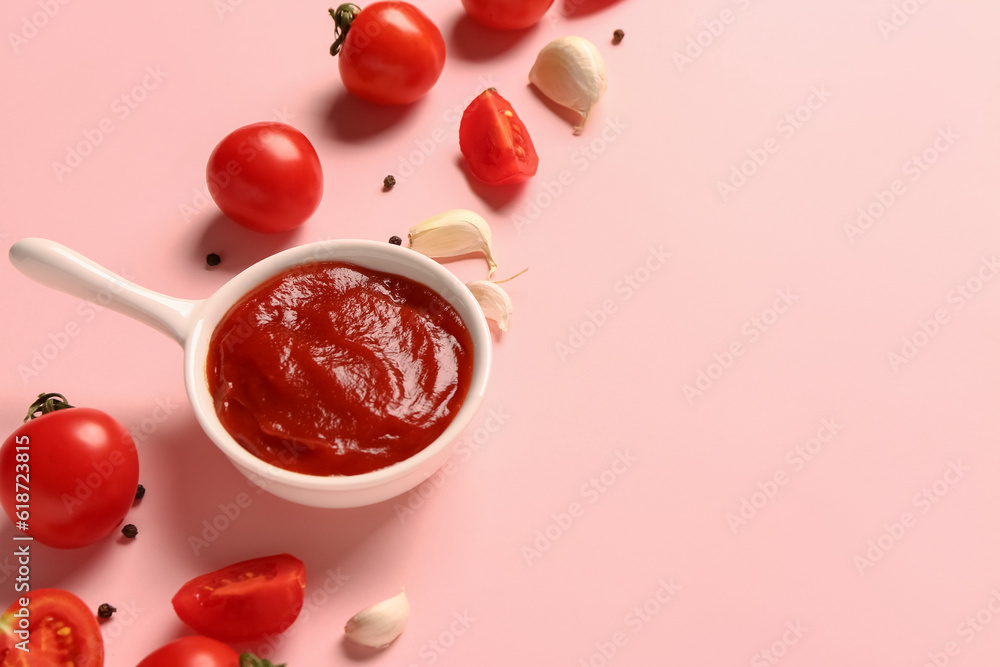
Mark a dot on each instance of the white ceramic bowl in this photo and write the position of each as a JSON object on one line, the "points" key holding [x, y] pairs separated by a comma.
{"points": [[191, 323]]}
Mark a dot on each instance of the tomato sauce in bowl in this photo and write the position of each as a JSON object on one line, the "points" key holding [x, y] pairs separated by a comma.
{"points": [[329, 368]]}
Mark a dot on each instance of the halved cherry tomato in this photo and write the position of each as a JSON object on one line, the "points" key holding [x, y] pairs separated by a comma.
{"points": [[495, 142], [389, 52], [507, 14], [54, 628], [244, 601]]}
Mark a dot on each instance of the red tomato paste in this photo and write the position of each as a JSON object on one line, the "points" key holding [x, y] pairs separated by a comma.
{"points": [[333, 369]]}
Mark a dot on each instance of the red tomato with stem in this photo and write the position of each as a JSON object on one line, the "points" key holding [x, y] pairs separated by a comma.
{"points": [[494, 141], [389, 52], [507, 14], [192, 652], [69, 475], [57, 628], [266, 177], [199, 652], [244, 601]]}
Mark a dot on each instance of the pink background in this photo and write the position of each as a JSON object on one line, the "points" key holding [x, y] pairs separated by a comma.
{"points": [[816, 498]]}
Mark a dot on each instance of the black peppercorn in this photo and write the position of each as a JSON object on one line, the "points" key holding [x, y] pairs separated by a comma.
{"points": [[140, 491], [130, 531], [619, 35], [213, 259], [395, 240], [389, 182], [106, 610]]}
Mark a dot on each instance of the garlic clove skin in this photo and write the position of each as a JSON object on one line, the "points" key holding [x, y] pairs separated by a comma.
{"points": [[452, 234], [380, 624], [494, 301], [570, 71]]}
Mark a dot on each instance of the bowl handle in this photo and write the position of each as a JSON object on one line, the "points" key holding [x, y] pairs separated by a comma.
{"points": [[56, 266]]}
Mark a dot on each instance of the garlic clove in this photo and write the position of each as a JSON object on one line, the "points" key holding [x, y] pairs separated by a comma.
{"points": [[452, 234], [494, 301], [380, 624], [570, 71]]}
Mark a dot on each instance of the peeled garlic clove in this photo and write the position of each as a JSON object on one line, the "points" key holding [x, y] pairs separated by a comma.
{"points": [[494, 301], [570, 72], [380, 624], [452, 234]]}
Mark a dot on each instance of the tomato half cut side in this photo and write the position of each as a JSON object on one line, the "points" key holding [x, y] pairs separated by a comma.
{"points": [[495, 143], [55, 627], [244, 601]]}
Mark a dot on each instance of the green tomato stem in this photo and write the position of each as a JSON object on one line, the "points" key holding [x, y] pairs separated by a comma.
{"points": [[343, 17], [45, 404], [250, 660]]}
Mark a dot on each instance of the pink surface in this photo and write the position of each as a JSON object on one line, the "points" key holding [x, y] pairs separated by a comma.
{"points": [[728, 425]]}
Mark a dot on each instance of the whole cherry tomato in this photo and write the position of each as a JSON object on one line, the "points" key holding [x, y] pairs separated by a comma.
{"points": [[192, 652], [54, 628], [389, 52], [244, 601], [266, 177], [199, 652], [507, 14], [68, 476], [494, 141]]}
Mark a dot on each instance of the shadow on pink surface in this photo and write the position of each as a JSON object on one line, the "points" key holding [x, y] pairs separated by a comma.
{"points": [[497, 197], [238, 247], [353, 120], [476, 43]]}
